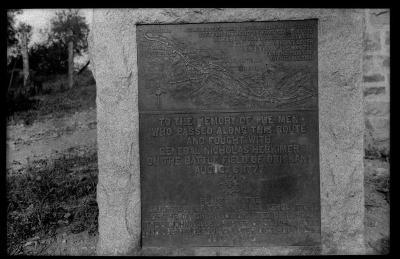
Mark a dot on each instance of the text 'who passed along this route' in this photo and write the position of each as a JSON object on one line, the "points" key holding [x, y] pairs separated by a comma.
{"points": [[229, 146]]}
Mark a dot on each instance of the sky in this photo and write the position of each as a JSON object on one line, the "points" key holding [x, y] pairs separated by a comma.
{"points": [[40, 19]]}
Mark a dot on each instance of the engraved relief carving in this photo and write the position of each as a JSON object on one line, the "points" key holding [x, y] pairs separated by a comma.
{"points": [[201, 79]]}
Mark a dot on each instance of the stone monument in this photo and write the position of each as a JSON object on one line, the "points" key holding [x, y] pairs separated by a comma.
{"points": [[229, 131]]}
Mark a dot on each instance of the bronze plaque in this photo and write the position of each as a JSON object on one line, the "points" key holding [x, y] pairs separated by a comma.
{"points": [[229, 150]]}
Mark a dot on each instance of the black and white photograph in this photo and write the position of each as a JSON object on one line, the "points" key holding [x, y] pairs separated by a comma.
{"points": [[198, 131]]}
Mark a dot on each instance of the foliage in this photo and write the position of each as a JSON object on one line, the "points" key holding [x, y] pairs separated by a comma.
{"points": [[24, 28], [48, 59], [11, 30], [69, 25], [51, 56], [55, 100], [12, 40], [14, 60], [46, 196]]}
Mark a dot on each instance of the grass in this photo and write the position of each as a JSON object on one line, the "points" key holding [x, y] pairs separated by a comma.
{"points": [[49, 196]]}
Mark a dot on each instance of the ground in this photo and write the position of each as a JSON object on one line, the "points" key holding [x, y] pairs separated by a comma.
{"points": [[56, 137], [52, 171], [64, 145]]}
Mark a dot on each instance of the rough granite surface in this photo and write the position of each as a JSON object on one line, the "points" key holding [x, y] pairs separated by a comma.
{"points": [[341, 125]]}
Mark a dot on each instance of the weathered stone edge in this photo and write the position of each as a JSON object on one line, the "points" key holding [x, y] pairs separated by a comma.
{"points": [[111, 103]]}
